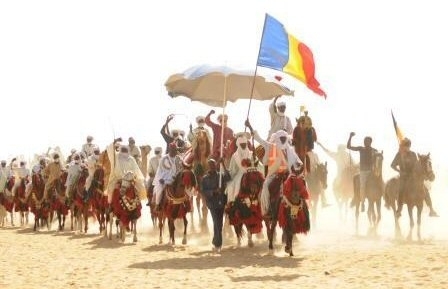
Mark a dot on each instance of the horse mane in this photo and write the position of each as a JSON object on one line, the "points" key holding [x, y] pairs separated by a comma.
{"points": [[200, 136], [251, 176]]}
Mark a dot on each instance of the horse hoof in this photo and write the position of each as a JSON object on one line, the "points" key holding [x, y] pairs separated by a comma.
{"points": [[250, 244], [184, 241], [135, 239], [271, 252]]}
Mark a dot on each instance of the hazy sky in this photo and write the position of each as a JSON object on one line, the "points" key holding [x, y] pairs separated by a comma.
{"points": [[73, 68]]}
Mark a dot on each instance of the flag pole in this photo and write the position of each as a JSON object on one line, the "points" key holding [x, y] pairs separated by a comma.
{"points": [[256, 68]]}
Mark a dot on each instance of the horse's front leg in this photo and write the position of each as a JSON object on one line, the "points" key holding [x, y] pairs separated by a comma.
{"points": [[134, 229], [86, 218], [171, 229], [161, 223], [250, 242], [411, 222], [184, 239], [419, 222]]}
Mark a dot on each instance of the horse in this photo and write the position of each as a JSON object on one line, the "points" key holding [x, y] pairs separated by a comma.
{"points": [[197, 157], [343, 189], [176, 203], [275, 189], [413, 196], [21, 201], [293, 216], [245, 209], [39, 205], [316, 181], [126, 206], [59, 202], [8, 197], [374, 193], [81, 201], [99, 199]]}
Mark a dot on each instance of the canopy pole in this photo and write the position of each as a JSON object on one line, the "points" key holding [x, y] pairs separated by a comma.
{"points": [[221, 153]]}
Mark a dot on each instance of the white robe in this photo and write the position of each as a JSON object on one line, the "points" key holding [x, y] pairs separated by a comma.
{"points": [[167, 171], [121, 164]]}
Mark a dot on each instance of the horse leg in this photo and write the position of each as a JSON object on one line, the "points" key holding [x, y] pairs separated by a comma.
{"points": [[198, 207], [411, 222], [238, 232], [111, 221], [270, 235], [419, 221], [184, 239], [172, 230], [161, 222], [250, 242], [134, 230], [86, 217]]}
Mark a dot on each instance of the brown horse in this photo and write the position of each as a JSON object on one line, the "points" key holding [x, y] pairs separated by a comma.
{"points": [[293, 214], [374, 193], [99, 199], [21, 201], [316, 181], [126, 206], [197, 157], [245, 209], [59, 202], [343, 189], [176, 203], [40, 207], [81, 203], [414, 195]]}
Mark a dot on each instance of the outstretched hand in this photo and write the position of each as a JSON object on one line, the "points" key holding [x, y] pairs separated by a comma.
{"points": [[211, 112], [352, 134]]}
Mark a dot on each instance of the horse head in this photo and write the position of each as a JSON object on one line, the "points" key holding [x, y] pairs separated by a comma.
{"points": [[252, 182], [127, 180], [184, 180], [322, 174], [275, 185], [426, 166]]}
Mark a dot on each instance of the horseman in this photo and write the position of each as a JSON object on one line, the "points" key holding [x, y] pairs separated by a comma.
{"points": [[74, 172], [366, 162], [303, 138], [344, 163], [134, 151], [404, 163], [279, 158], [121, 163], [88, 148], [222, 134], [170, 165], [152, 169], [200, 121], [52, 173], [5, 173], [168, 136], [21, 174], [239, 162], [37, 169], [92, 164], [279, 121]]}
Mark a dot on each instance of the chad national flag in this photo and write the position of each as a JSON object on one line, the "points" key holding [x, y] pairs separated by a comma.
{"points": [[281, 51]]}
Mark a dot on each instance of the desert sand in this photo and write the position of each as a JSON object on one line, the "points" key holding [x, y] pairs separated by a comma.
{"points": [[333, 255]]}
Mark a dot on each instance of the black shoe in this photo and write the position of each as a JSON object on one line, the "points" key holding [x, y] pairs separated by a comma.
{"points": [[148, 204]]}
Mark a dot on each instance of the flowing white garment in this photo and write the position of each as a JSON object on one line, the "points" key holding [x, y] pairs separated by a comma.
{"points": [[120, 165], [167, 171]]}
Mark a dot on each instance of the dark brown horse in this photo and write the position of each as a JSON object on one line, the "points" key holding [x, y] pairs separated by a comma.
{"points": [[21, 201], [294, 216], [39, 205], [275, 197], [59, 202], [374, 193], [81, 201], [414, 194], [245, 209], [197, 158], [98, 198], [316, 181], [176, 203]]}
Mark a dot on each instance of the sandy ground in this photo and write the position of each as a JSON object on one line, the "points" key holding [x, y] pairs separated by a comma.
{"points": [[331, 256]]}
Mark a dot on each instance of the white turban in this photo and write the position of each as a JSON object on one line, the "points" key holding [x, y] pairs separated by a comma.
{"points": [[157, 150], [199, 119], [241, 139], [281, 103]]}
